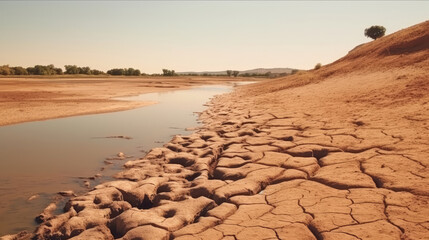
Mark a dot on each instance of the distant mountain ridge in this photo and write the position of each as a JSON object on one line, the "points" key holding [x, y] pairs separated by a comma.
{"points": [[252, 71]]}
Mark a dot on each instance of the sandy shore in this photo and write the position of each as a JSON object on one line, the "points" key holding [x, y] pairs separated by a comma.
{"points": [[337, 153], [38, 98]]}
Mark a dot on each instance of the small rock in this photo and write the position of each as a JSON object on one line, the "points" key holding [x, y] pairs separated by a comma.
{"points": [[47, 213], [108, 162], [120, 136], [192, 128], [68, 193], [20, 235], [31, 198], [87, 184], [119, 156]]}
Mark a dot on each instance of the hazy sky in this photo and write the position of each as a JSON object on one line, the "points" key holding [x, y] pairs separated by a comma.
{"points": [[193, 35]]}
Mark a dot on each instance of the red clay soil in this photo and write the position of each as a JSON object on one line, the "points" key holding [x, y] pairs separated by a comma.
{"points": [[336, 153]]}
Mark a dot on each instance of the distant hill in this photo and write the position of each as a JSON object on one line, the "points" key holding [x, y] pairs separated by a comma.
{"points": [[202, 73], [265, 70], [252, 71]]}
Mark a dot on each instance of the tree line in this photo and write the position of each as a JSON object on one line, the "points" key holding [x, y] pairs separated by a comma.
{"points": [[233, 73], [69, 69], [73, 69], [36, 70], [124, 71]]}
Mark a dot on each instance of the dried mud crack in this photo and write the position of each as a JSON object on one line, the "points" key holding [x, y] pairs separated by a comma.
{"points": [[256, 177]]}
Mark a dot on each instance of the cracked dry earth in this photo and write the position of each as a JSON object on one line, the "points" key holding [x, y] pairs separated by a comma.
{"points": [[340, 153], [272, 172]]}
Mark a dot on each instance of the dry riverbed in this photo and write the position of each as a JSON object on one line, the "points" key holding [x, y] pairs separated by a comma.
{"points": [[337, 153], [38, 98], [268, 165]]}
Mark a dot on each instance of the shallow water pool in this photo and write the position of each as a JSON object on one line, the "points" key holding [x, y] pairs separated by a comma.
{"points": [[41, 158]]}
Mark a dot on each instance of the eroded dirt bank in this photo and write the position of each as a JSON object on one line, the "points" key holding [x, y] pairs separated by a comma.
{"points": [[338, 153]]}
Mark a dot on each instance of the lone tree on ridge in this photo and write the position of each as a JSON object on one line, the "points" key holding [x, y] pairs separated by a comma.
{"points": [[375, 32], [318, 66]]}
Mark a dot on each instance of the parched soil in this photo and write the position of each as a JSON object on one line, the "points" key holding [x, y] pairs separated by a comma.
{"points": [[327, 154], [41, 98]]}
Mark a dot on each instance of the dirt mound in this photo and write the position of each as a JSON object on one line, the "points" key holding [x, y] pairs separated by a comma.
{"points": [[407, 48], [407, 41]]}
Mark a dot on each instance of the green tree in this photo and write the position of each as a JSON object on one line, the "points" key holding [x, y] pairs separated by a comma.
{"points": [[20, 71], [120, 71], [50, 69], [40, 70], [319, 65], [71, 69], [375, 32], [58, 71], [136, 72], [96, 72], [117, 71], [30, 70], [235, 73], [85, 70], [5, 70], [167, 72], [229, 73]]}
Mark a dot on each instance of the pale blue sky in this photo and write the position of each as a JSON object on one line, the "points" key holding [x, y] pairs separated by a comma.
{"points": [[193, 35]]}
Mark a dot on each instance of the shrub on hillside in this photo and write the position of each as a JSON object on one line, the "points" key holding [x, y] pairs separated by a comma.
{"points": [[375, 32]]}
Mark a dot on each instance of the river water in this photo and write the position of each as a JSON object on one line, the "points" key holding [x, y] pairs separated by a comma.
{"points": [[41, 158]]}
